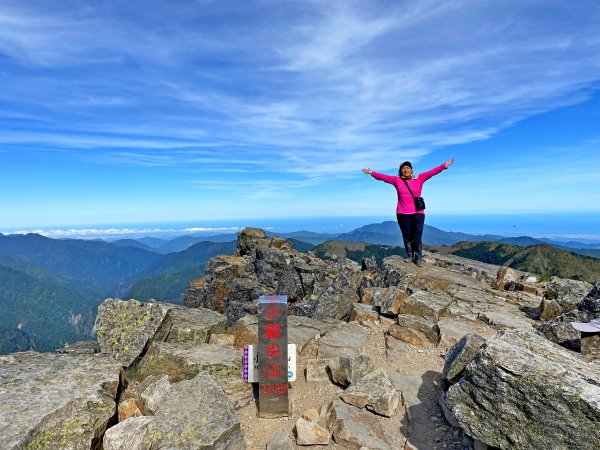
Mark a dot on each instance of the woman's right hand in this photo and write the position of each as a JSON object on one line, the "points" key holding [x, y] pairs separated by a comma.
{"points": [[367, 171]]}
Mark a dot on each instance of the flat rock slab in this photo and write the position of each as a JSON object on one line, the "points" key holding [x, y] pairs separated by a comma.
{"points": [[195, 414], [432, 304], [194, 324], [344, 335], [354, 428], [453, 329], [125, 328], [219, 360], [301, 330], [50, 400], [523, 391], [421, 430]]}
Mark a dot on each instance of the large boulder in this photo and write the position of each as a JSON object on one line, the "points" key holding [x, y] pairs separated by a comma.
{"points": [[375, 392], [430, 304], [562, 296], [127, 435], [52, 401], [125, 328], [355, 428], [460, 355], [195, 414], [523, 391], [560, 330]]}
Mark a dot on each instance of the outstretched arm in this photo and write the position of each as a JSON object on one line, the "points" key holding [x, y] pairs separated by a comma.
{"points": [[427, 175], [380, 176]]}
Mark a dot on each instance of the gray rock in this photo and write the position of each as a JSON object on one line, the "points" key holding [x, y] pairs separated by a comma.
{"points": [[238, 310], [396, 349], [354, 428], [523, 391], [196, 414], [151, 391], [310, 433], [549, 309], [390, 301], [127, 435], [415, 390], [368, 294], [124, 328], [427, 304], [194, 325], [316, 370], [461, 354], [369, 264], [301, 330], [281, 441], [221, 271], [187, 359], [394, 273], [567, 293], [249, 239], [427, 326], [591, 302], [269, 265], [310, 269], [80, 348], [560, 331], [347, 370], [53, 401], [336, 296], [195, 293], [345, 339], [507, 274], [290, 284], [375, 392], [364, 313]]}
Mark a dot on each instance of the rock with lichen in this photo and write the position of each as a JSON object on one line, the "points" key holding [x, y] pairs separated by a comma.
{"points": [[56, 401], [125, 328], [523, 391], [196, 414]]}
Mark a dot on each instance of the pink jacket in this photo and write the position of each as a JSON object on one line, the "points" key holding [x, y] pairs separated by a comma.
{"points": [[406, 204]]}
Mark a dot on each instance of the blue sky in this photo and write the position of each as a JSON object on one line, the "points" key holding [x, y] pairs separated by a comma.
{"points": [[142, 111]]}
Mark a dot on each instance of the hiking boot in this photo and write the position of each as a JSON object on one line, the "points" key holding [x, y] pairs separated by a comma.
{"points": [[418, 254], [409, 252]]}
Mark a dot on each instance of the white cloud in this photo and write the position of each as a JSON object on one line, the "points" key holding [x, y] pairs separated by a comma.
{"points": [[325, 89]]}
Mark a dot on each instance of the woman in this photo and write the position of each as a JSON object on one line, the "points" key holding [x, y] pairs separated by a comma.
{"points": [[410, 219]]}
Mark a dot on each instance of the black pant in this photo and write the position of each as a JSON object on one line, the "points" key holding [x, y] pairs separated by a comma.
{"points": [[411, 226]]}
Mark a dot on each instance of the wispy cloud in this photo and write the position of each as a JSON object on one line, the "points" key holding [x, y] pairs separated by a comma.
{"points": [[309, 88]]}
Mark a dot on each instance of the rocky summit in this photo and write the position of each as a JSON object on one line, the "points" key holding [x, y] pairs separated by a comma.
{"points": [[452, 355]]}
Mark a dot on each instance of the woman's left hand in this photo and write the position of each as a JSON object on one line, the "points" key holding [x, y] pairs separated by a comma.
{"points": [[449, 163]]}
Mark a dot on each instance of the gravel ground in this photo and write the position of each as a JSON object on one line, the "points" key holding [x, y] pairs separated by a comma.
{"points": [[425, 362]]}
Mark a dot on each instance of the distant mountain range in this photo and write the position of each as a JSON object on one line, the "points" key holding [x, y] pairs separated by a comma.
{"points": [[50, 288], [385, 233]]}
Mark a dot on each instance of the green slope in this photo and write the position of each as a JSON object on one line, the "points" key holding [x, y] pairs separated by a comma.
{"points": [[40, 315], [543, 259]]}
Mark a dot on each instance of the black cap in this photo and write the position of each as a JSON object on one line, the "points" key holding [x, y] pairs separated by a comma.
{"points": [[405, 163]]}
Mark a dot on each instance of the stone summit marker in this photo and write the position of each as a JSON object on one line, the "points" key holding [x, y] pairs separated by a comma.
{"points": [[272, 357]]}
